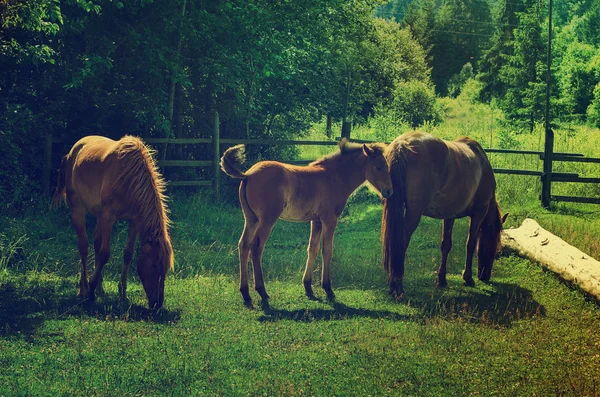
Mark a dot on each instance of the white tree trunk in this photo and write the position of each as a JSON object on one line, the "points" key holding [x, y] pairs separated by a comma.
{"points": [[532, 241]]}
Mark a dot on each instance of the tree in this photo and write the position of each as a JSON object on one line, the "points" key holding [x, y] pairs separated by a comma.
{"points": [[523, 74]]}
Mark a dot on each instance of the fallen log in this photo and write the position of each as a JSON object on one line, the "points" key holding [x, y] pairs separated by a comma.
{"points": [[532, 241]]}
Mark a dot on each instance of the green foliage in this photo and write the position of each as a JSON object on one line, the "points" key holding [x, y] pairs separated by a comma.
{"points": [[416, 103], [593, 111], [456, 40], [578, 73], [458, 81], [271, 69]]}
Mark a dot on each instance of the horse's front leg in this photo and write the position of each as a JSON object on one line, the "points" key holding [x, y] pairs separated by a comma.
{"points": [[328, 232], [411, 222], [448, 224], [101, 249], [127, 257], [476, 221], [313, 249]]}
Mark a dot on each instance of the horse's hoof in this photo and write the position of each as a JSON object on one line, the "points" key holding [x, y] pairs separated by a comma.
{"points": [[245, 295], [330, 295], [263, 293], [309, 290], [469, 283], [248, 302]]}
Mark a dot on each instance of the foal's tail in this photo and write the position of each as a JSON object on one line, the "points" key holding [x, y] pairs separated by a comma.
{"points": [[232, 158], [60, 191], [393, 234]]}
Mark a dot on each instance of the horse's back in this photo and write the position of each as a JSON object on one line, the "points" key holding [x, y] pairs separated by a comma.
{"points": [[291, 192], [445, 178], [92, 169]]}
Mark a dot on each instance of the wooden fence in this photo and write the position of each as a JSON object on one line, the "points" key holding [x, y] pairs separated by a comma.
{"points": [[218, 143]]}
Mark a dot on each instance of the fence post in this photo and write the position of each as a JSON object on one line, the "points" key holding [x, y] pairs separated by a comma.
{"points": [[216, 156], [47, 165], [549, 141]]}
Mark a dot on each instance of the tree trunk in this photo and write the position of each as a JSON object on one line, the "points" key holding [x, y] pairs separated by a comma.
{"points": [[530, 240], [171, 102], [328, 126]]}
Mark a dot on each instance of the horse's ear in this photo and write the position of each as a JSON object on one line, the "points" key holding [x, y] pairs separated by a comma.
{"points": [[504, 218], [368, 151]]}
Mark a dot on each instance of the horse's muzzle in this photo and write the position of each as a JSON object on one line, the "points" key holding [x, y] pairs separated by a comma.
{"points": [[386, 193]]}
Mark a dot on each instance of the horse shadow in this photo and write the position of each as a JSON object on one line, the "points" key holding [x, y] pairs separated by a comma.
{"points": [[338, 311], [501, 306], [25, 305]]}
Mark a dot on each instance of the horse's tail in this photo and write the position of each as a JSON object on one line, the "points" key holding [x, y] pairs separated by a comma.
{"points": [[488, 240], [232, 158], [60, 191], [393, 233]]}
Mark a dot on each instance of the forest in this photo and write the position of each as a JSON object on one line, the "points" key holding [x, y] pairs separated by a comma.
{"points": [[72, 68]]}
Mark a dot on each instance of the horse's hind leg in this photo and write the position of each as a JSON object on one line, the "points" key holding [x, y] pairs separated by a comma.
{"points": [[78, 222], [328, 232], [244, 248], [101, 249], [127, 257], [448, 224], [313, 250], [258, 244], [476, 220]]}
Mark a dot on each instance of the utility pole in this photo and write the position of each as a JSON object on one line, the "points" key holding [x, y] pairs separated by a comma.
{"points": [[549, 141]]}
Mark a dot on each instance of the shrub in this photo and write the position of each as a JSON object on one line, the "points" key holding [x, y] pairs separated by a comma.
{"points": [[415, 102]]}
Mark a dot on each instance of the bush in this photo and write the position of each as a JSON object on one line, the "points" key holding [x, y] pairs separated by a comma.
{"points": [[593, 111], [415, 102]]}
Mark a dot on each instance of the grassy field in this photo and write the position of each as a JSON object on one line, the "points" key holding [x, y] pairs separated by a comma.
{"points": [[524, 333]]}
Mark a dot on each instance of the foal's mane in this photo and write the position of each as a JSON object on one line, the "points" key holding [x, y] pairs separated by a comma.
{"points": [[347, 148], [144, 188]]}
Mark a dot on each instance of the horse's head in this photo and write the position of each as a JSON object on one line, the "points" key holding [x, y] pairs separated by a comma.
{"points": [[156, 258], [378, 170], [489, 244]]}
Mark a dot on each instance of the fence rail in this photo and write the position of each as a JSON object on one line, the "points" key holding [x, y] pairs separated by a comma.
{"points": [[217, 142]]}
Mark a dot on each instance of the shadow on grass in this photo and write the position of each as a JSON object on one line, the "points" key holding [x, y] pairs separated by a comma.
{"points": [[501, 306], [338, 311], [504, 304], [23, 310]]}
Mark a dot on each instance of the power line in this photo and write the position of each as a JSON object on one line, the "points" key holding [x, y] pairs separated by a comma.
{"points": [[461, 20], [458, 32]]}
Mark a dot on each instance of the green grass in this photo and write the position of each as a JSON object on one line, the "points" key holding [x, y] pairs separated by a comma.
{"points": [[525, 333]]}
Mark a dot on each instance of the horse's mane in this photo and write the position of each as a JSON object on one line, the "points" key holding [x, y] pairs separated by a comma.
{"points": [[144, 188], [345, 148]]}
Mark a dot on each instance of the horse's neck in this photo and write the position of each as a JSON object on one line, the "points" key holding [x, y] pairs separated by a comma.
{"points": [[352, 171]]}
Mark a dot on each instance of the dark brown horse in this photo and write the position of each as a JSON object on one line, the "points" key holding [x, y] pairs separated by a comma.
{"points": [[317, 194], [118, 180], [443, 180]]}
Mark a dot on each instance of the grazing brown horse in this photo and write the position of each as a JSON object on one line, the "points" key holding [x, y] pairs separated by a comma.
{"points": [[118, 180], [443, 180], [316, 193]]}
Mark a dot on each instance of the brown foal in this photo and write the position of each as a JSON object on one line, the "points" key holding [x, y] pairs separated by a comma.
{"points": [[316, 193]]}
